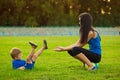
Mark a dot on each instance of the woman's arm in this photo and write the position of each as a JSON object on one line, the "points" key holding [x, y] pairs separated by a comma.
{"points": [[77, 44], [61, 48]]}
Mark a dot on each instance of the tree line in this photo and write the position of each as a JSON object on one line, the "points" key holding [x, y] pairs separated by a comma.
{"points": [[58, 12]]}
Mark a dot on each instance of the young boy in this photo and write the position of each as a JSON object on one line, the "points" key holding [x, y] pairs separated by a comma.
{"points": [[16, 55]]}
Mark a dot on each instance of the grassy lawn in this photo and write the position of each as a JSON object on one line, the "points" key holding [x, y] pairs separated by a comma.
{"points": [[53, 65]]}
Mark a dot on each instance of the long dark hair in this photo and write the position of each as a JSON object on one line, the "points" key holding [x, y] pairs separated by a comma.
{"points": [[86, 22]]}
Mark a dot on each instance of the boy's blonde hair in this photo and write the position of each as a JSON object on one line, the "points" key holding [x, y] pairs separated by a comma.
{"points": [[14, 52]]}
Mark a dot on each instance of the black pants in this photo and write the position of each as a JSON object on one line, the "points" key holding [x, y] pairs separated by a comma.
{"points": [[93, 57]]}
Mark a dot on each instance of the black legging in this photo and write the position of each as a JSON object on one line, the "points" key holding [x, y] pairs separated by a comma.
{"points": [[93, 57]]}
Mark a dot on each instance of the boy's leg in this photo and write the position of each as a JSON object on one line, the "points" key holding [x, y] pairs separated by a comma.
{"points": [[34, 46], [35, 56]]}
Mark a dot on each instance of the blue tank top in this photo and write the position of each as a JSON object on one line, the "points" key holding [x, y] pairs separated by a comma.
{"points": [[94, 45]]}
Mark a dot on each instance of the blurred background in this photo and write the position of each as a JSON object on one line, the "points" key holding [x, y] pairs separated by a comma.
{"points": [[57, 13]]}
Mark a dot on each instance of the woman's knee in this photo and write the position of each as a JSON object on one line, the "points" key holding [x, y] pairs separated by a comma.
{"points": [[74, 51]]}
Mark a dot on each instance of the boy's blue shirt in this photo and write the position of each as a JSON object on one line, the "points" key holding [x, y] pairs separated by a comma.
{"points": [[20, 63]]}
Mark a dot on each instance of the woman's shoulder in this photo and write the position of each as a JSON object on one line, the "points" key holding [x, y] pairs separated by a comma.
{"points": [[92, 34]]}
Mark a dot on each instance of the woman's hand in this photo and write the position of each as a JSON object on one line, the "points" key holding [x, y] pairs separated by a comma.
{"points": [[59, 49]]}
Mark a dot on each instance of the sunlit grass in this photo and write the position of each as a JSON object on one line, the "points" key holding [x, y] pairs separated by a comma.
{"points": [[53, 65]]}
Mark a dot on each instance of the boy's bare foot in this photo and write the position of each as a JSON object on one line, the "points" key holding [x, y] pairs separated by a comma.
{"points": [[45, 44], [33, 44]]}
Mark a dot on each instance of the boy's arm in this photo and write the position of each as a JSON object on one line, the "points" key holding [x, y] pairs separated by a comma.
{"points": [[21, 68]]}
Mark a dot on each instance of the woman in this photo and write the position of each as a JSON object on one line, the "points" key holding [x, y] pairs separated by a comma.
{"points": [[88, 36]]}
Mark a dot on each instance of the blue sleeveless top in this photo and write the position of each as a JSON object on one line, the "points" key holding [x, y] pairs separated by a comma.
{"points": [[94, 45]]}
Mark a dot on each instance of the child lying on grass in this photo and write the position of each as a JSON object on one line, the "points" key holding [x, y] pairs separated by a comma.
{"points": [[17, 61]]}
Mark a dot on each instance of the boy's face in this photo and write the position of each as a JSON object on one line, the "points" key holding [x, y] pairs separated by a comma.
{"points": [[19, 56]]}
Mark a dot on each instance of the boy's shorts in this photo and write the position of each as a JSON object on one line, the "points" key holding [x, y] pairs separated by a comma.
{"points": [[29, 65]]}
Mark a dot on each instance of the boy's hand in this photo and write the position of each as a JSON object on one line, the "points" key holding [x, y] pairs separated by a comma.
{"points": [[21, 68]]}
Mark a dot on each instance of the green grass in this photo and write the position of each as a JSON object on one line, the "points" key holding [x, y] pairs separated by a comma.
{"points": [[59, 65]]}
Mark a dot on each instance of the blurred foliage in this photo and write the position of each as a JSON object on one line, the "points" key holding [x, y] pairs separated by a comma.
{"points": [[58, 12]]}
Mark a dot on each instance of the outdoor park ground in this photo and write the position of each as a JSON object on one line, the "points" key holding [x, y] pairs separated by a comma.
{"points": [[53, 65]]}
